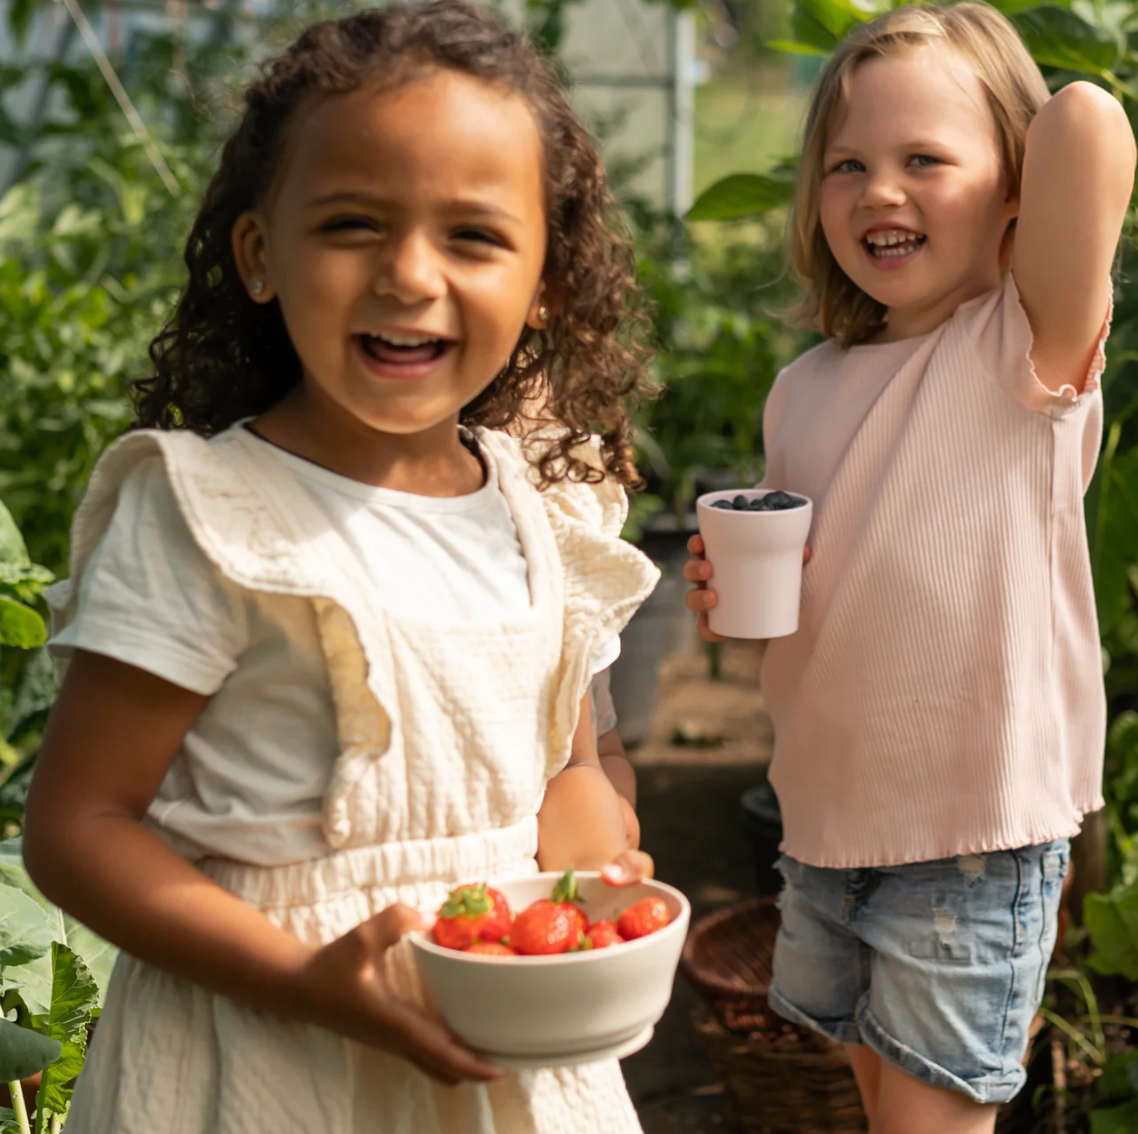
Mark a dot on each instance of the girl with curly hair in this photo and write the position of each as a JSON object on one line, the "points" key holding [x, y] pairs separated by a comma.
{"points": [[330, 630]]}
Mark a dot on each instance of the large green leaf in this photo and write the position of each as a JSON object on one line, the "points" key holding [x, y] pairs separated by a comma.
{"points": [[742, 195], [1057, 37], [25, 929], [1112, 527], [20, 625], [12, 548], [1119, 1078], [74, 997], [33, 980], [1117, 1120], [24, 1052], [1112, 921]]}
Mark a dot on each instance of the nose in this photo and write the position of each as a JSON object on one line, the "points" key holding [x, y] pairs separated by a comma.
{"points": [[881, 190], [411, 270]]}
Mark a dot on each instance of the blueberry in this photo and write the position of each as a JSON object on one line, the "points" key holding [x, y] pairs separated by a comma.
{"points": [[781, 502], [721, 504], [739, 503], [756, 504]]}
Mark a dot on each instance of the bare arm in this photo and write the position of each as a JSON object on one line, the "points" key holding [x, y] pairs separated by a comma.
{"points": [[1078, 175], [622, 776], [113, 734], [581, 822]]}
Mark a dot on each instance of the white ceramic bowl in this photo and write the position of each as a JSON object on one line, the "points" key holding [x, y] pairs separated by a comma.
{"points": [[568, 1008], [757, 563]]}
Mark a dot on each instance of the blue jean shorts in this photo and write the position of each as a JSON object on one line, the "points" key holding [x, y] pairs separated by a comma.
{"points": [[939, 966]]}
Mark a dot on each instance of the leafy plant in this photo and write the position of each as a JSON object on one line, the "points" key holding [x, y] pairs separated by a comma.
{"points": [[53, 975]]}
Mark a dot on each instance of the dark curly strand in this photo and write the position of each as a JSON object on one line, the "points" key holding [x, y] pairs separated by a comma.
{"points": [[222, 357]]}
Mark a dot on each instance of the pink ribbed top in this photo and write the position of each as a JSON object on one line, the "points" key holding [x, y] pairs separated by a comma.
{"points": [[944, 692]]}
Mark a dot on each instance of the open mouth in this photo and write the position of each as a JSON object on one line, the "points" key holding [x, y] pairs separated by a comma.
{"points": [[404, 350], [892, 244]]}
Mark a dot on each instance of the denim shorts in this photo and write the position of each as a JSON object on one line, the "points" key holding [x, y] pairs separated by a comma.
{"points": [[939, 966]]}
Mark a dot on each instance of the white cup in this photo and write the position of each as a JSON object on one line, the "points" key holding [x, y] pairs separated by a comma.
{"points": [[756, 558]]}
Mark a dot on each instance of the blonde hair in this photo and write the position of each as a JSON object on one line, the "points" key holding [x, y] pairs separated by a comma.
{"points": [[986, 40]]}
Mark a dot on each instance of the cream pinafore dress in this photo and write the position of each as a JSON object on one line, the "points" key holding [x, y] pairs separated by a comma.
{"points": [[437, 782]]}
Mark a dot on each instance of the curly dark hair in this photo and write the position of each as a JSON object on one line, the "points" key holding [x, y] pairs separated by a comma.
{"points": [[222, 357]]}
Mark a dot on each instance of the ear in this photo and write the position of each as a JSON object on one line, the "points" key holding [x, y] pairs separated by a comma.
{"points": [[250, 251], [538, 315]]}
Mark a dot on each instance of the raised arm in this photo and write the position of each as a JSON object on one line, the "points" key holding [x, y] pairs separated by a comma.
{"points": [[1078, 175]]}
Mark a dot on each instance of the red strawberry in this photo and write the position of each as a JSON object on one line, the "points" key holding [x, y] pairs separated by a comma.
{"points": [[603, 934], [644, 917], [472, 913], [542, 928], [490, 949], [565, 895]]}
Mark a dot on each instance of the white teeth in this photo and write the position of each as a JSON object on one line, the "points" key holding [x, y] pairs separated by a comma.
{"points": [[890, 239], [406, 340]]}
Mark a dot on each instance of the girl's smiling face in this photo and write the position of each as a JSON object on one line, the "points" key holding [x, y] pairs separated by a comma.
{"points": [[914, 200], [405, 241]]}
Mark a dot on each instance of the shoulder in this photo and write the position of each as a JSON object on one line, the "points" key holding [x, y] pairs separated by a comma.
{"points": [[998, 331], [798, 378], [602, 505]]}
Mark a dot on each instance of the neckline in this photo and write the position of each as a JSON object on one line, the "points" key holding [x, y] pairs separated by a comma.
{"points": [[311, 471]]}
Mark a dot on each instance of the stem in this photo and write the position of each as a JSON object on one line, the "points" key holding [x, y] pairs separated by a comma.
{"points": [[16, 1090], [1078, 1037], [56, 1123]]}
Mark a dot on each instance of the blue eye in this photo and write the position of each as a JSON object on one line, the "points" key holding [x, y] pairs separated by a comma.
{"points": [[923, 160], [850, 165]]}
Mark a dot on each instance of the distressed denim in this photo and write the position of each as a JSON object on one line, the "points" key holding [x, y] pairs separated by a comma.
{"points": [[938, 966]]}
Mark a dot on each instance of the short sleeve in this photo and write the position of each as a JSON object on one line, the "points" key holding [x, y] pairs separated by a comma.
{"points": [[150, 598], [1004, 341]]}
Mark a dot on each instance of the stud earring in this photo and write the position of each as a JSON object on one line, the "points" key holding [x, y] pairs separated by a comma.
{"points": [[543, 313], [257, 287]]}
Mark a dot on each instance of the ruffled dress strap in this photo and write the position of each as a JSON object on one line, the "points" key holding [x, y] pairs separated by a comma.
{"points": [[603, 578]]}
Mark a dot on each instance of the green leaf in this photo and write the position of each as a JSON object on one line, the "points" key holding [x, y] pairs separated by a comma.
{"points": [[1116, 948], [1118, 1079], [20, 625], [25, 931], [24, 1052], [743, 195], [34, 979], [790, 47], [1117, 1120], [12, 548], [74, 996], [1056, 37]]}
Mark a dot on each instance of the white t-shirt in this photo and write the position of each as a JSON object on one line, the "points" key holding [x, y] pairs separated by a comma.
{"points": [[249, 780]]}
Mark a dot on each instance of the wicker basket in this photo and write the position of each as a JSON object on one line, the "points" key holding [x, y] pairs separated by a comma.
{"points": [[780, 1078]]}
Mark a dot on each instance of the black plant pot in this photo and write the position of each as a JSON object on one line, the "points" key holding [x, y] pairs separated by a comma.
{"points": [[762, 821]]}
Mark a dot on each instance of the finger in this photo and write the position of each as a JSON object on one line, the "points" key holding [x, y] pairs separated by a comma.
{"points": [[628, 867], [701, 600], [695, 545], [389, 925], [697, 570], [807, 555], [433, 1044], [705, 631]]}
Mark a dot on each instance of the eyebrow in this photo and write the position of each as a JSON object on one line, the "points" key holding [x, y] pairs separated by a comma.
{"points": [[466, 207], [914, 146]]}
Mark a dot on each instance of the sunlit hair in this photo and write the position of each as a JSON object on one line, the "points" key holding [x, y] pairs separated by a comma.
{"points": [[222, 357], [985, 40]]}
